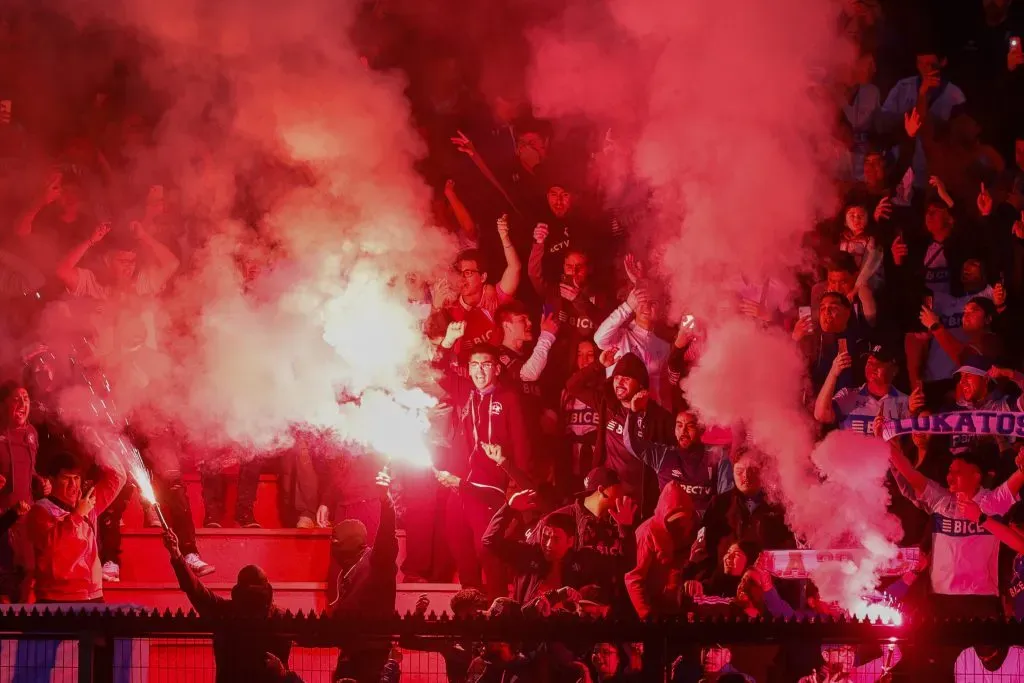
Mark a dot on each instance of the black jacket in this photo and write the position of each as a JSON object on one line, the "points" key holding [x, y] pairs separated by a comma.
{"points": [[367, 591], [238, 652], [581, 566], [728, 520]]}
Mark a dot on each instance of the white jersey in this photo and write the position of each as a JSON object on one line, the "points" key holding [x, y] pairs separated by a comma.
{"points": [[969, 669], [964, 556], [856, 409]]}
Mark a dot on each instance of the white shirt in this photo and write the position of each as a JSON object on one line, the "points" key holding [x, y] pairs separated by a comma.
{"points": [[146, 284], [964, 556], [856, 409], [619, 329], [969, 669]]}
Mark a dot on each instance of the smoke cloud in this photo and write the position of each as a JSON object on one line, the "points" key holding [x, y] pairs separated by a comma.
{"points": [[730, 111], [271, 100]]}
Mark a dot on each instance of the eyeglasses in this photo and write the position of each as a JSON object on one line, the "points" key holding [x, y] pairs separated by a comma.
{"points": [[468, 271], [481, 365]]}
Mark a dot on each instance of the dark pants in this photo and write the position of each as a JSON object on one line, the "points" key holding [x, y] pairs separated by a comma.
{"points": [[161, 456], [215, 482], [108, 529], [298, 485], [427, 554], [467, 519]]}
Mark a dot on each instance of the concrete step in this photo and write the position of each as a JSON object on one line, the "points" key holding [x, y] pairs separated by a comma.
{"points": [[284, 554]]}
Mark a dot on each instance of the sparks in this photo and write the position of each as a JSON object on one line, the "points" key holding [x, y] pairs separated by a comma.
{"points": [[142, 478], [873, 609]]}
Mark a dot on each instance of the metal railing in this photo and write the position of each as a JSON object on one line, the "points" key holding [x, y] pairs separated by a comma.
{"points": [[97, 643]]}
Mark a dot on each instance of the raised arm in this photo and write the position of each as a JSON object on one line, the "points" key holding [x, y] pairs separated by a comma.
{"points": [[538, 360], [385, 545], [110, 483], [918, 482], [535, 266], [515, 553], [67, 268], [462, 215], [650, 454], [166, 262], [824, 412], [1006, 534], [611, 331], [509, 282], [205, 601]]}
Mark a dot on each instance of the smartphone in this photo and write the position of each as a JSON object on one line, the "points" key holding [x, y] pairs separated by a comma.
{"points": [[546, 310], [804, 312], [1014, 43], [842, 346], [688, 322]]}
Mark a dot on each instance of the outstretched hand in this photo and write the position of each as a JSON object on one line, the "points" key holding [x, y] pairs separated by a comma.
{"points": [[383, 483], [171, 543]]}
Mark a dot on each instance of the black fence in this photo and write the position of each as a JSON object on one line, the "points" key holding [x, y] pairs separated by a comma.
{"points": [[97, 644]]}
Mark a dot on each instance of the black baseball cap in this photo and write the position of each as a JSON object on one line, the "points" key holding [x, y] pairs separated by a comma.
{"points": [[881, 353], [599, 477]]}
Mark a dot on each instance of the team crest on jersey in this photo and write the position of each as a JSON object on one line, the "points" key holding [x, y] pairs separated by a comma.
{"points": [[496, 408]]}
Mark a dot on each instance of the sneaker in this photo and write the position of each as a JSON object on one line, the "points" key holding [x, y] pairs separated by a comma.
{"points": [[305, 523], [211, 524], [198, 567], [111, 572], [247, 521]]}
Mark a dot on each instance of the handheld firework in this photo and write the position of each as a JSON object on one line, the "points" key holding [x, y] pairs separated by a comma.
{"points": [[142, 479]]}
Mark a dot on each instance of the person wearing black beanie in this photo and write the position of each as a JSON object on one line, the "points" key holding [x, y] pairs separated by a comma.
{"points": [[624, 392]]}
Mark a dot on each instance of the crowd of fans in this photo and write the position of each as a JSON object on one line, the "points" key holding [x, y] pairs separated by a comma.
{"points": [[574, 474]]}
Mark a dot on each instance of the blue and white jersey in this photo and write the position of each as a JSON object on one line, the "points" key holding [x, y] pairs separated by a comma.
{"points": [[964, 556], [856, 409]]}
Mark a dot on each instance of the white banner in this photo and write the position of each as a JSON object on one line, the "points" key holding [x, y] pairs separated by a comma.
{"points": [[798, 564], [964, 422]]}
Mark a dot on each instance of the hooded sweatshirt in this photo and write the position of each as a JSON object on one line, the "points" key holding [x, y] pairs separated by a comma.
{"points": [[654, 584], [494, 415], [580, 566], [239, 655]]}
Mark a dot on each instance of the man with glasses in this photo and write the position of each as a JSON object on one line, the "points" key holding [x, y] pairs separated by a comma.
{"points": [[476, 301]]}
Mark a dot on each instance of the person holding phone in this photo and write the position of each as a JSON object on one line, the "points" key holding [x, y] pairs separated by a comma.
{"points": [[62, 529]]}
